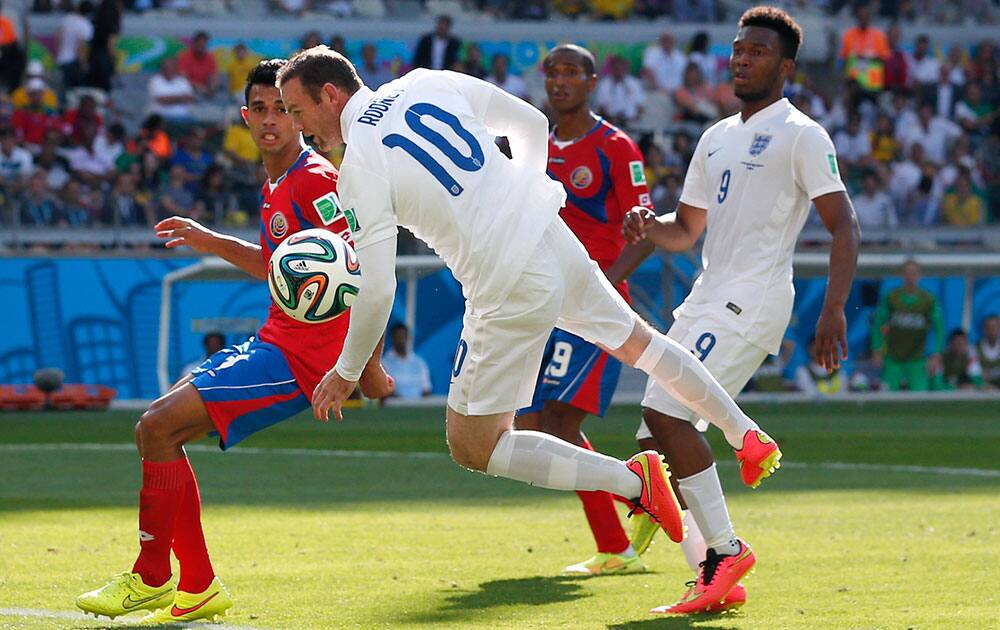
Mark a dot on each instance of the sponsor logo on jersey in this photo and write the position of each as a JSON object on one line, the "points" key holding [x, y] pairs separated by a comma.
{"points": [[832, 159], [734, 308], [760, 142], [328, 207], [581, 177], [645, 200], [637, 172], [352, 220], [557, 160], [279, 225]]}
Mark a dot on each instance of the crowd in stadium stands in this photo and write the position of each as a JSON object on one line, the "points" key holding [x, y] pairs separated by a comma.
{"points": [[917, 127]]}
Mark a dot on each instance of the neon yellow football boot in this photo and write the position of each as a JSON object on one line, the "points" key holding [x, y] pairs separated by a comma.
{"points": [[606, 564], [210, 604], [125, 593], [644, 529]]}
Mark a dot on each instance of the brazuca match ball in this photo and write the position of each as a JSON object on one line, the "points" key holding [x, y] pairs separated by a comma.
{"points": [[313, 276]]}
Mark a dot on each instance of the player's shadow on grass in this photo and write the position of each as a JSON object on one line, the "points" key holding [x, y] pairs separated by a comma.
{"points": [[459, 605], [700, 622]]}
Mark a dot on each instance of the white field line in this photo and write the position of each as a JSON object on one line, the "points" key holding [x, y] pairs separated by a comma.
{"points": [[320, 452], [41, 613]]}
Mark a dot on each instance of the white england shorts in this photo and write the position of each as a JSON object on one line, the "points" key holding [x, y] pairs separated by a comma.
{"points": [[731, 359], [500, 351]]}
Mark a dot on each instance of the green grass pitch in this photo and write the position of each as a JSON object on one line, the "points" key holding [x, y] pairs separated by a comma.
{"points": [[368, 524]]}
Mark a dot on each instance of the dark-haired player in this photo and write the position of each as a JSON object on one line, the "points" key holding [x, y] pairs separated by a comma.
{"points": [[601, 169], [748, 188], [238, 390]]}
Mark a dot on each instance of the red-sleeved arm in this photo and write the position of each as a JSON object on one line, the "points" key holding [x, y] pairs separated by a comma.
{"points": [[628, 173]]}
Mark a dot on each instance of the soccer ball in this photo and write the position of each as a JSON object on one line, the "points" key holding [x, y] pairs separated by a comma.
{"points": [[313, 276]]}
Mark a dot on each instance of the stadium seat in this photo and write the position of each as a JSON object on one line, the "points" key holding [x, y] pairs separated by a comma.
{"points": [[77, 396], [21, 398]]}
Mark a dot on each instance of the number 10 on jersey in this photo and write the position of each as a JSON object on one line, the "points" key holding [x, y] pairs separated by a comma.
{"points": [[469, 163]]}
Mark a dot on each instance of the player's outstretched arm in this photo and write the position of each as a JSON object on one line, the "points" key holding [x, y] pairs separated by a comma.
{"points": [[369, 316], [674, 232], [182, 231], [838, 216]]}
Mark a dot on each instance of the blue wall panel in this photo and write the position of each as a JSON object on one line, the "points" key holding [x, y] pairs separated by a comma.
{"points": [[98, 318]]}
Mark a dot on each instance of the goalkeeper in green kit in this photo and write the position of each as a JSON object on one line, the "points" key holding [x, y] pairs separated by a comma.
{"points": [[904, 318]]}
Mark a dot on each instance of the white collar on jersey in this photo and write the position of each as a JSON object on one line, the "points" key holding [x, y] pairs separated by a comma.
{"points": [[351, 109], [306, 150], [773, 108]]}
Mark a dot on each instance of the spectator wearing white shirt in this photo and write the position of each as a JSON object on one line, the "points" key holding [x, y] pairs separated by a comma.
{"points": [[698, 53], [906, 174], [620, 96], [925, 69], [503, 79], [663, 65], [74, 34], [873, 206], [16, 163], [408, 370], [853, 144], [934, 132], [170, 94], [86, 162]]}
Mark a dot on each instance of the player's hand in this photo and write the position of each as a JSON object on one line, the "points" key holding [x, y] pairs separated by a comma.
{"points": [[331, 393], [376, 383], [184, 231], [636, 222], [831, 338]]}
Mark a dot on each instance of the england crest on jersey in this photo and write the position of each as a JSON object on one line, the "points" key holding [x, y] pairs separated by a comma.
{"points": [[760, 142]]}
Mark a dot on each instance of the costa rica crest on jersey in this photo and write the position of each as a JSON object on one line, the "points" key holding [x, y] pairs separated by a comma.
{"points": [[581, 177], [278, 226], [760, 142]]}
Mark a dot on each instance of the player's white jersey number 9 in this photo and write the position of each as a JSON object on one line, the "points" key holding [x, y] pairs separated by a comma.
{"points": [[470, 163]]}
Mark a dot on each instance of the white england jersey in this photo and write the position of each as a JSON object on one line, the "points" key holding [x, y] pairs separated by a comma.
{"points": [[421, 154], [756, 180]]}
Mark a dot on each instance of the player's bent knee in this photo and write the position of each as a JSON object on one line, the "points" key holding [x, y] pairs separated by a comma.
{"points": [[469, 457]]}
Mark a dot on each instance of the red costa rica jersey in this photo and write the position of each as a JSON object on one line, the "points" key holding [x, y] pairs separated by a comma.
{"points": [[304, 197], [603, 174]]}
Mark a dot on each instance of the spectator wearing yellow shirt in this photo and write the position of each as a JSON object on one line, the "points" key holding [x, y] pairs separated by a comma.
{"points": [[883, 140], [237, 69], [612, 9], [963, 205], [19, 97]]}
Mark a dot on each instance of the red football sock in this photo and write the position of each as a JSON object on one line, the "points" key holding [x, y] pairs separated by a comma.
{"points": [[162, 489], [599, 508], [587, 445], [189, 540]]}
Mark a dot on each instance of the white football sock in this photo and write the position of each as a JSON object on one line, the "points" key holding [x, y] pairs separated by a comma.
{"points": [[693, 544], [543, 460], [703, 494], [683, 376]]}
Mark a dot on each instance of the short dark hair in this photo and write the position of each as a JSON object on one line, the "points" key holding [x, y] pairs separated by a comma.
{"points": [[201, 35], [777, 20], [399, 326], [957, 332], [318, 66], [264, 73], [589, 65]]}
